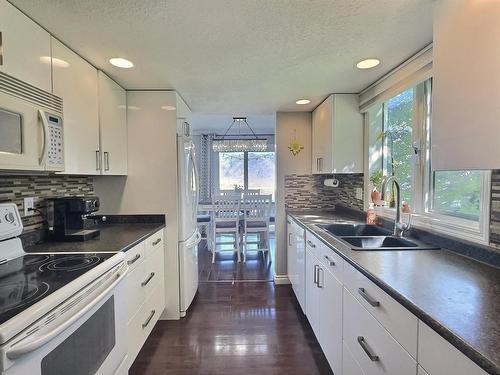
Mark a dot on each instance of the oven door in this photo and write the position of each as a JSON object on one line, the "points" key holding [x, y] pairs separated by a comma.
{"points": [[86, 336]]}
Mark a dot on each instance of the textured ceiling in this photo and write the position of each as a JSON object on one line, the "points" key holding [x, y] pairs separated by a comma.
{"points": [[240, 56]]}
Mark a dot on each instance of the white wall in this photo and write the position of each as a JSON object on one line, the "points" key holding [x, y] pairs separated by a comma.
{"points": [[151, 184], [286, 124]]}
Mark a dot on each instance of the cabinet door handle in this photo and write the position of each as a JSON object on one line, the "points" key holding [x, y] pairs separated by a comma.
{"points": [[106, 161], [157, 241], [1, 49], [316, 274], [364, 345], [289, 239], [322, 277], [97, 161], [134, 259], [330, 260], [311, 244], [368, 298], [320, 161], [146, 282], [145, 324], [317, 164]]}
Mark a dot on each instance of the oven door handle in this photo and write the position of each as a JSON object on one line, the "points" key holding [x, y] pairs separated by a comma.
{"points": [[29, 346]]}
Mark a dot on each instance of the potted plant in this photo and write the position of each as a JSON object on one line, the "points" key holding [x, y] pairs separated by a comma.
{"points": [[376, 181]]}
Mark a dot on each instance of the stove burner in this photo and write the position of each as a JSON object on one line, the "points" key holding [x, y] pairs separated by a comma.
{"points": [[70, 263], [17, 294], [35, 259]]}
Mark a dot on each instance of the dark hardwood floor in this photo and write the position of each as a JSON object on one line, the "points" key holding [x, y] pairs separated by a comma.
{"points": [[235, 328], [226, 267]]}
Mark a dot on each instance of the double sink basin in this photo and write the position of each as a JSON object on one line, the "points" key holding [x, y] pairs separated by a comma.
{"points": [[363, 237]]}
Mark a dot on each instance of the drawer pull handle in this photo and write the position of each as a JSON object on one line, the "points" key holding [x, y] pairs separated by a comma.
{"points": [[368, 299], [288, 222], [316, 274], [364, 345], [311, 244], [134, 259], [330, 261], [146, 282], [145, 324], [157, 241], [323, 276]]}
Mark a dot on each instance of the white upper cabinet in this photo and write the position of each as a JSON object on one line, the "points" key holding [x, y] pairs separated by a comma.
{"points": [[113, 126], [75, 80], [25, 48], [466, 82], [337, 135]]}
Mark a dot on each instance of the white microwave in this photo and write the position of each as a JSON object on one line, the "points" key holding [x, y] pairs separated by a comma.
{"points": [[31, 127]]}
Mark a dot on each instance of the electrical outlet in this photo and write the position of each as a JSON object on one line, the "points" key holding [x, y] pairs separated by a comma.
{"points": [[29, 203], [359, 193]]}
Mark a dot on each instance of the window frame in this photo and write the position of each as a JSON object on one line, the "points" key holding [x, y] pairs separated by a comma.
{"points": [[423, 216]]}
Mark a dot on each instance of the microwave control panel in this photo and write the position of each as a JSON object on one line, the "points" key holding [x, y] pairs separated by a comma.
{"points": [[55, 152]]}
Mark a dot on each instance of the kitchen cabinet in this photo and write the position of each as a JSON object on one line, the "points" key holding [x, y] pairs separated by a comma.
{"points": [[465, 96], [112, 126], [337, 135], [75, 80], [296, 260], [145, 288], [372, 346], [24, 48], [438, 357], [324, 300]]}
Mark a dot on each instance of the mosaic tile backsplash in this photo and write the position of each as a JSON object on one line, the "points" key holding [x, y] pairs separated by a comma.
{"points": [[308, 191], [15, 188], [495, 209]]}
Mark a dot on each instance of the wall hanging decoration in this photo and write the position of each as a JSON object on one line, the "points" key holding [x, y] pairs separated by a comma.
{"points": [[295, 146]]}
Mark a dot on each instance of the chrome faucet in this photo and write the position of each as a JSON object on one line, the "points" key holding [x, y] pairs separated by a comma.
{"points": [[399, 226]]}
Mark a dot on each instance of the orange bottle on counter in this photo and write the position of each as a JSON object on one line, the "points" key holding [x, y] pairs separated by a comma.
{"points": [[371, 215]]}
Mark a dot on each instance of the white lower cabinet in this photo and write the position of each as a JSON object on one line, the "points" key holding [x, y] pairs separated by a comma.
{"points": [[377, 352], [145, 288], [296, 259], [438, 357], [362, 330], [349, 365]]}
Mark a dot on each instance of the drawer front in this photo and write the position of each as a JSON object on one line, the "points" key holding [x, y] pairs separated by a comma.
{"points": [[331, 261], [153, 277], [135, 295], [154, 242], [142, 324], [314, 244], [402, 324], [376, 351], [349, 365], [438, 357], [135, 256]]}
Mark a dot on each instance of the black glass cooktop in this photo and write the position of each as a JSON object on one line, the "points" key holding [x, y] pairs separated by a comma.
{"points": [[29, 278]]}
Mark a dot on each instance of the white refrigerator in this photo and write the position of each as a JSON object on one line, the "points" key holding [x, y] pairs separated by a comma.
{"points": [[189, 235]]}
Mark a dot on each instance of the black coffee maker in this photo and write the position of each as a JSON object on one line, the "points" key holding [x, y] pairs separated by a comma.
{"points": [[68, 218]]}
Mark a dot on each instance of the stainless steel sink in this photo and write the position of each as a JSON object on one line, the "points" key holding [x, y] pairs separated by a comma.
{"points": [[342, 230], [385, 243]]}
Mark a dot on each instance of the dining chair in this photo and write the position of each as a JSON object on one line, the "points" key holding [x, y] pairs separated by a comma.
{"points": [[257, 218], [225, 222]]}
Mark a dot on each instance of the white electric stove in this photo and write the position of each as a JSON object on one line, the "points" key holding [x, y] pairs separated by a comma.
{"points": [[59, 313]]}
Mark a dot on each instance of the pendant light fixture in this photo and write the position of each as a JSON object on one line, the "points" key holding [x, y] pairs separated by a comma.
{"points": [[239, 142]]}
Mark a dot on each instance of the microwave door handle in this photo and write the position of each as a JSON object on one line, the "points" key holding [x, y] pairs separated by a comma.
{"points": [[45, 131], [25, 347]]}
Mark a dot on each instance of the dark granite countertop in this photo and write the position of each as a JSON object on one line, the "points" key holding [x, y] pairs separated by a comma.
{"points": [[456, 296], [113, 238]]}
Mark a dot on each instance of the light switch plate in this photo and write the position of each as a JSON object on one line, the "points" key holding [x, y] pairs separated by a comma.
{"points": [[359, 193], [29, 203]]}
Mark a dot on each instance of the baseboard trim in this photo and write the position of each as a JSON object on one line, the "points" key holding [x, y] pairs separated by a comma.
{"points": [[281, 279]]}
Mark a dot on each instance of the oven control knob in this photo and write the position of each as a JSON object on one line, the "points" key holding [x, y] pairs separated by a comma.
{"points": [[9, 217]]}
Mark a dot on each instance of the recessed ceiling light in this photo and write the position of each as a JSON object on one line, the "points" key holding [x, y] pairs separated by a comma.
{"points": [[168, 108], [368, 63], [54, 61], [121, 63], [303, 101]]}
